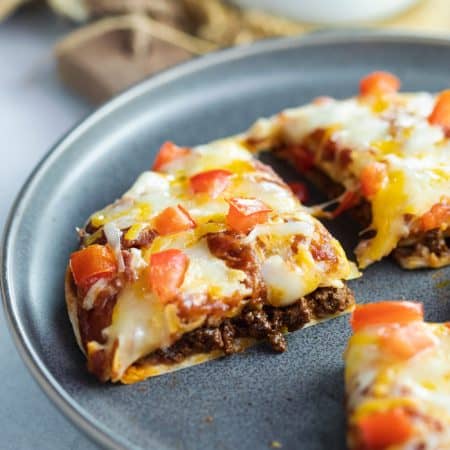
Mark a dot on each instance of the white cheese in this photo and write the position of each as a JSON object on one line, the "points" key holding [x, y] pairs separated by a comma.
{"points": [[99, 286], [149, 183], [278, 197], [139, 325], [220, 154], [113, 235], [283, 229], [423, 138], [285, 282], [209, 275], [137, 262], [356, 125]]}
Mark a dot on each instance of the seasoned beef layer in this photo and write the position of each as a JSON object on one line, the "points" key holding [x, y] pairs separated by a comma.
{"points": [[257, 321], [429, 249]]}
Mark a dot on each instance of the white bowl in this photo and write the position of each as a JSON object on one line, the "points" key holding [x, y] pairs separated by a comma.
{"points": [[330, 11]]}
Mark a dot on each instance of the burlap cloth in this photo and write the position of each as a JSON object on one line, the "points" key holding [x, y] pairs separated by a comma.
{"points": [[123, 41]]}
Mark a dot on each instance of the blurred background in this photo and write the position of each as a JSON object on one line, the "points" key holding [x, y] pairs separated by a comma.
{"points": [[134, 38], [61, 58]]}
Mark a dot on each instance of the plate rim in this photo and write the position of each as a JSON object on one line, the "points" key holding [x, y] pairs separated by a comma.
{"points": [[82, 419]]}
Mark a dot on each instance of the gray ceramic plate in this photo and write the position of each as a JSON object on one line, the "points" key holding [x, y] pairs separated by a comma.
{"points": [[255, 398]]}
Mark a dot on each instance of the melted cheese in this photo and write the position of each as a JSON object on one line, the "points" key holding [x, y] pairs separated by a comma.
{"points": [[141, 324], [288, 274], [304, 227], [388, 207], [91, 295], [356, 125], [393, 130], [277, 197], [223, 154], [137, 262], [113, 236], [286, 283], [421, 138], [211, 276], [376, 381], [152, 192]]}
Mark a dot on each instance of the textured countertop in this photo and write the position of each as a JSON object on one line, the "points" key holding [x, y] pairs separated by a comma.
{"points": [[35, 110]]}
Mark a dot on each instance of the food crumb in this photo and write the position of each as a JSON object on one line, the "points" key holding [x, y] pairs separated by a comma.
{"points": [[438, 274], [208, 419], [275, 444], [443, 284]]}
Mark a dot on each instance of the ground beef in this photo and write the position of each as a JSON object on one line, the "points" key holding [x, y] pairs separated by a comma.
{"points": [[432, 241], [435, 241], [259, 321], [327, 301]]}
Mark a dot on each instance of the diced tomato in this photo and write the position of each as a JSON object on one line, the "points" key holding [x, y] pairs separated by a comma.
{"points": [[349, 200], [383, 429], [92, 263], [441, 112], [166, 273], [378, 83], [245, 213], [406, 341], [372, 178], [439, 214], [173, 220], [167, 153], [303, 159], [300, 190], [212, 182], [386, 312]]}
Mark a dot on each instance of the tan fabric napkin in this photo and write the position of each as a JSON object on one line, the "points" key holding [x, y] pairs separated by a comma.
{"points": [[141, 37]]}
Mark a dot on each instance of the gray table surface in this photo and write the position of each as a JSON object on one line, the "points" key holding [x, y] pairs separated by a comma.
{"points": [[35, 110]]}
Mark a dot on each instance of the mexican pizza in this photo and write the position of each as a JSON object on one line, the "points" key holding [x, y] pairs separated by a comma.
{"points": [[204, 255]]}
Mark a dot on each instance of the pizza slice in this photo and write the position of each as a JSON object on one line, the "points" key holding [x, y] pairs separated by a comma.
{"points": [[385, 156], [397, 379], [205, 254]]}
